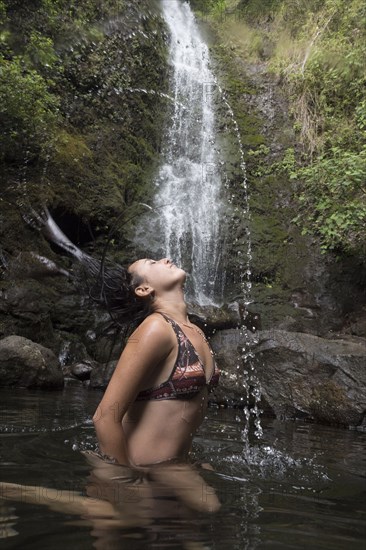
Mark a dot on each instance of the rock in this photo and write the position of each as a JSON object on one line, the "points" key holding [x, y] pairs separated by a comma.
{"points": [[107, 348], [101, 375], [28, 300], [24, 363], [33, 265], [25, 307], [212, 318], [72, 312], [227, 346], [356, 323], [301, 375], [70, 350], [82, 370]]}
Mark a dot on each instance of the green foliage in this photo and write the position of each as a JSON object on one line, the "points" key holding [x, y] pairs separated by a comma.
{"points": [[72, 136], [2, 12], [203, 6], [261, 166], [328, 94], [40, 51], [333, 198], [253, 10], [318, 49], [288, 164], [28, 111]]}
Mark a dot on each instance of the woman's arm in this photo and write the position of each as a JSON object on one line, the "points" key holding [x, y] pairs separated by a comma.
{"points": [[146, 348]]}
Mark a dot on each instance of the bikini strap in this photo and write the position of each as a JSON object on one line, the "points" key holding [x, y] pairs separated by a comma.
{"points": [[163, 315], [172, 323]]}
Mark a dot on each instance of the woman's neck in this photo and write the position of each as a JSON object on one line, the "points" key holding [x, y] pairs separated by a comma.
{"points": [[173, 306]]}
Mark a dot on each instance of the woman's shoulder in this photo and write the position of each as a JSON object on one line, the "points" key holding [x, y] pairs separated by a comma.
{"points": [[151, 340], [153, 326], [154, 319]]}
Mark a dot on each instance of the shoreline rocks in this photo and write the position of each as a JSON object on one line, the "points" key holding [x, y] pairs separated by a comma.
{"points": [[24, 363], [301, 375]]}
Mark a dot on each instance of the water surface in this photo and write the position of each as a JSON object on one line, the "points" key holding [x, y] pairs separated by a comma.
{"points": [[300, 486]]}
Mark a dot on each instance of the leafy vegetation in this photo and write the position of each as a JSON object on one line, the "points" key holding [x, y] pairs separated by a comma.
{"points": [[28, 110], [77, 132], [318, 50]]}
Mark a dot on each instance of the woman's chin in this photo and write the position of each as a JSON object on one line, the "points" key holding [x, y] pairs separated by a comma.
{"points": [[183, 274]]}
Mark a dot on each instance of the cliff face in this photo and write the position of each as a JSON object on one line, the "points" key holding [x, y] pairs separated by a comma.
{"points": [[295, 285], [83, 117], [308, 353], [266, 55]]}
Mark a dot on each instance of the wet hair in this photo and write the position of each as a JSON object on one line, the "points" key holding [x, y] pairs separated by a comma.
{"points": [[112, 287]]}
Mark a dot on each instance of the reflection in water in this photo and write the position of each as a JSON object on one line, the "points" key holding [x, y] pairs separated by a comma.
{"points": [[119, 499], [7, 521], [169, 492], [303, 486]]}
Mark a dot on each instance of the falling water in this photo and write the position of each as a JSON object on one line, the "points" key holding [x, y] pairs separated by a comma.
{"points": [[245, 363], [187, 222]]}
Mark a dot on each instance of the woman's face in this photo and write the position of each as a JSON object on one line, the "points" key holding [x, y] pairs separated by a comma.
{"points": [[159, 274]]}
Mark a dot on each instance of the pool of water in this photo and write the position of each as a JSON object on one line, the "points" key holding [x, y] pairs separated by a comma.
{"points": [[299, 486]]}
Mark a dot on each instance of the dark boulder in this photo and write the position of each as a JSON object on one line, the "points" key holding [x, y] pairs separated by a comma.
{"points": [[301, 375], [83, 369], [24, 363], [233, 315]]}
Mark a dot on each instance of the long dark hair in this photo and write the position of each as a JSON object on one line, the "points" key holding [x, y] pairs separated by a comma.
{"points": [[112, 287], [108, 284]]}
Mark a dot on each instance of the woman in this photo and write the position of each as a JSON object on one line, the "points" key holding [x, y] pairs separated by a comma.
{"points": [[146, 420], [157, 396]]}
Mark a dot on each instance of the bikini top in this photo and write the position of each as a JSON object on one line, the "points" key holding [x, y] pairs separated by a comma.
{"points": [[188, 374]]}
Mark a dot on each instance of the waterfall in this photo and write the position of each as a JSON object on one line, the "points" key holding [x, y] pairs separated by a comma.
{"points": [[186, 223]]}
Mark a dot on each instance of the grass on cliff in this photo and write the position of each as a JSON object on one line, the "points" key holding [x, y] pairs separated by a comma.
{"points": [[317, 49]]}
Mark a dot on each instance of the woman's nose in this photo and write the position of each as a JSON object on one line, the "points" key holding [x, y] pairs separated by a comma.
{"points": [[166, 261]]}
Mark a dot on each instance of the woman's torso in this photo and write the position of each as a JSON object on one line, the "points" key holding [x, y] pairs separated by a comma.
{"points": [[160, 429]]}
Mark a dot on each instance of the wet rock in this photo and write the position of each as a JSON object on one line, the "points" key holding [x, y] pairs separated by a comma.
{"points": [[26, 299], [101, 375], [107, 348], [72, 313], [301, 375], [24, 363], [33, 265], [70, 349], [82, 370], [356, 323], [25, 307], [227, 345], [212, 318]]}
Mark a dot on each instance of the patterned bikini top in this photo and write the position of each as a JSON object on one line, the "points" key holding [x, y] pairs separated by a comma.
{"points": [[188, 374]]}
